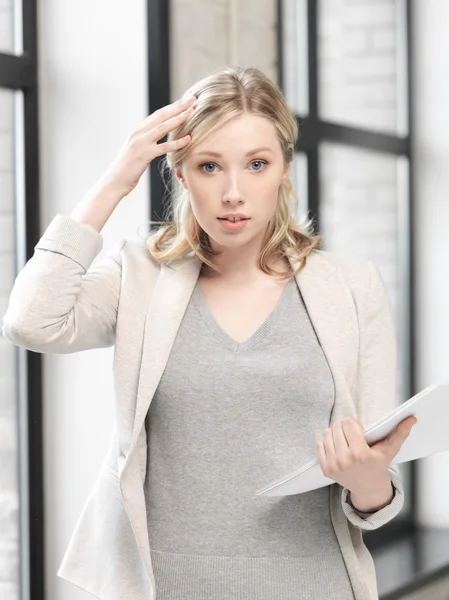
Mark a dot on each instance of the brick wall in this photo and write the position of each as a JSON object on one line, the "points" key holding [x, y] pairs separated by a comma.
{"points": [[357, 62], [358, 86], [358, 82], [9, 495], [6, 25]]}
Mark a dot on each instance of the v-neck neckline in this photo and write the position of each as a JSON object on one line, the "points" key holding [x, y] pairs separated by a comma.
{"points": [[226, 339]]}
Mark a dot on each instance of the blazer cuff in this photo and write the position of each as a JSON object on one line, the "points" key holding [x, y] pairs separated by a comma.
{"points": [[77, 241], [374, 520]]}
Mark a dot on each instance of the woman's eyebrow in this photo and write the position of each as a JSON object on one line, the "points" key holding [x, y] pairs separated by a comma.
{"points": [[210, 153]]}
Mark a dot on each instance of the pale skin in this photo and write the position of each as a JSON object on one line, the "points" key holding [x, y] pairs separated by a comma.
{"points": [[241, 297], [346, 458]]}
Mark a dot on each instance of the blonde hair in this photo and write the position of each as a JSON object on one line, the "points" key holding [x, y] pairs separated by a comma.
{"points": [[222, 96]]}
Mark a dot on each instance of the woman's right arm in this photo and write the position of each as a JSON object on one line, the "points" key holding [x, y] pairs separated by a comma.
{"points": [[59, 302], [60, 305]]}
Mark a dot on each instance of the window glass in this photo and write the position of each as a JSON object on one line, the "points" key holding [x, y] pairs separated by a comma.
{"points": [[298, 176], [295, 55], [9, 446], [361, 64], [7, 8]]}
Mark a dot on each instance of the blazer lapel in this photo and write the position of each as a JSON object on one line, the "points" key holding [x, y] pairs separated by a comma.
{"points": [[331, 310], [169, 301]]}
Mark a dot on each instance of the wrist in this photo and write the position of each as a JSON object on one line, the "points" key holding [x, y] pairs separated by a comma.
{"points": [[105, 190], [374, 499], [97, 206]]}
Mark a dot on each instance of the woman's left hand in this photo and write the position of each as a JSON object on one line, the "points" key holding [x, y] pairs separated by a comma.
{"points": [[346, 458]]}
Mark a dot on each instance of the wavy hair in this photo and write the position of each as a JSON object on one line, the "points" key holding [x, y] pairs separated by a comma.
{"points": [[223, 95]]}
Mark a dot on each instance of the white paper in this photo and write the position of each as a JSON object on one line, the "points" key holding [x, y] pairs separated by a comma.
{"points": [[429, 436]]}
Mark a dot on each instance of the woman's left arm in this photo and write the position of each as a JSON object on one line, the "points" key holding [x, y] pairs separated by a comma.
{"points": [[372, 492]]}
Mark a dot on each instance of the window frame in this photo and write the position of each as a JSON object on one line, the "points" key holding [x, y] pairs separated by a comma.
{"points": [[159, 94], [18, 72]]}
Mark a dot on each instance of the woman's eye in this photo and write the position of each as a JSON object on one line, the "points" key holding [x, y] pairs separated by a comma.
{"points": [[206, 165], [263, 162]]}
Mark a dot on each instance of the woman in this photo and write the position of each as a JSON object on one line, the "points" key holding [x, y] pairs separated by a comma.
{"points": [[241, 352]]}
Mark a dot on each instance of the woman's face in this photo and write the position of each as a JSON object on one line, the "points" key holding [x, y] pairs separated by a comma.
{"points": [[236, 180]]}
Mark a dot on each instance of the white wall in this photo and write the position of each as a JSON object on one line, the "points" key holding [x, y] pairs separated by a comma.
{"points": [[431, 98], [93, 92]]}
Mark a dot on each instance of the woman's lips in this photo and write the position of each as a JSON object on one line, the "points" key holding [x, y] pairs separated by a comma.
{"points": [[233, 225]]}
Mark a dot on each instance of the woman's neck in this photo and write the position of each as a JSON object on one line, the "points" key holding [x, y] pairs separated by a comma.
{"points": [[241, 274]]}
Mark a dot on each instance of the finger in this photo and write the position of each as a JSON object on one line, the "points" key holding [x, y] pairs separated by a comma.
{"points": [[165, 113], [354, 434], [391, 445], [328, 442], [409, 422], [340, 442], [158, 132], [402, 431], [172, 145], [322, 458], [169, 111]]}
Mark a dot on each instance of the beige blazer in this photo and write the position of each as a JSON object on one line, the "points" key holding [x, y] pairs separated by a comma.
{"points": [[62, 303]]}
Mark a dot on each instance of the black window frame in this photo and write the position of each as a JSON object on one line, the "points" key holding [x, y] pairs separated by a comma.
{"points": [[159, 92], [19, 72]]}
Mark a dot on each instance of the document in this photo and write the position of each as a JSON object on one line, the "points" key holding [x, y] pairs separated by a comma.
{"points": [[429, 436]]}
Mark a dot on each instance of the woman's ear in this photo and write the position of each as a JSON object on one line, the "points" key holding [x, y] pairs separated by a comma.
{"points": [[286, 173], [180, 176]]}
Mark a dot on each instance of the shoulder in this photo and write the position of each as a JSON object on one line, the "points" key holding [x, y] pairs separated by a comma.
{"points": [[363, 279], [352, 269], [131, 252]]}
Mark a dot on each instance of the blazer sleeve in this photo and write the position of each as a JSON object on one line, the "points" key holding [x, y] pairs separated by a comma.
{"points": [[374, 390], [59, 303]]}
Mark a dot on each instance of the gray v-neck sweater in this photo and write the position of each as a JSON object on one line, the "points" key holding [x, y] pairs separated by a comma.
{"points": [[227, 419]]}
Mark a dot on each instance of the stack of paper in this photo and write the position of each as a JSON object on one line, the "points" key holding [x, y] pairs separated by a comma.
{"points": [[429, 436]]}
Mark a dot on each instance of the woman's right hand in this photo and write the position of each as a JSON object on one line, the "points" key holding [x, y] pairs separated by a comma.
{"points": [[141, 146]]}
